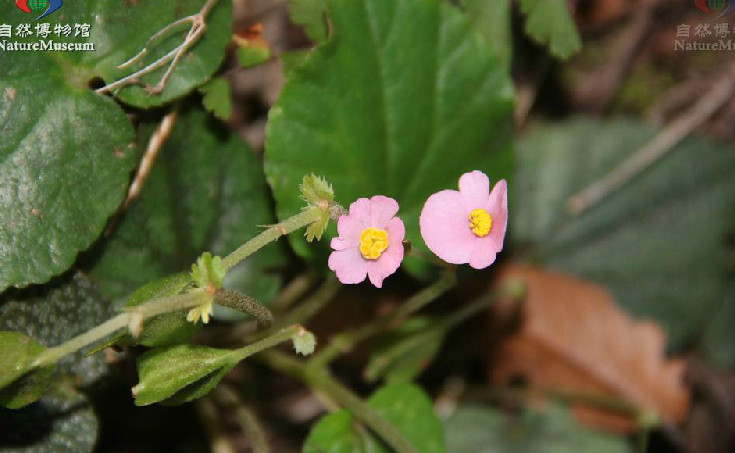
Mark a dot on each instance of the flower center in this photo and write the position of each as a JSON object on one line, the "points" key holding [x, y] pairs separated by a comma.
{"points": [[480, 222], [373, 242]]}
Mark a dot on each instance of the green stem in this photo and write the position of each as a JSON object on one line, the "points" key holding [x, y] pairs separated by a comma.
{"points": [[151, 308], [347, 340], [273, 340], [302, 219], [321, 381]]}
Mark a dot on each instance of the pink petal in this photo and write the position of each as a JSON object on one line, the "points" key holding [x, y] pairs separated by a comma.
{"points": [[474, 187], [391, 259], [349, 265], [483, 254], [382, 210], [498, 210], [445, 227]]}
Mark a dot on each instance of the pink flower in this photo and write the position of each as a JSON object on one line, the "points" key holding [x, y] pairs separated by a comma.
{"points": [[370, 241], [467, 226]]}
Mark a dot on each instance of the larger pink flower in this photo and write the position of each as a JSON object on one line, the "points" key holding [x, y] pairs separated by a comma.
{"points": [[467, 226], [370, 241]]}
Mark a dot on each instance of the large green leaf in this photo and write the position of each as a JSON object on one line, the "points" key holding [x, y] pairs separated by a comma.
{"points": [[550, 22], [312, 15], [479, 429], [65, 162], [61, 422], [206, 192], [401, 100], [56, 312], [404, 405], [659, 243]]}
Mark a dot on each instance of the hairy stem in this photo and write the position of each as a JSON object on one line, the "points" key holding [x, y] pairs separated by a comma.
{"points": [[152, 308], [300, 220]]}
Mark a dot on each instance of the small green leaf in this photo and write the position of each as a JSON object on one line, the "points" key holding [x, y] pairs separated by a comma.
{"points": [[312, 15], [550, 22], [63, 421], [685, 197], [492, 18], [218, 98], [208, 271], [389, 121], [405, 406], [480, 429], [404, 353], [19, 386], [206, 191], [180, 373]]}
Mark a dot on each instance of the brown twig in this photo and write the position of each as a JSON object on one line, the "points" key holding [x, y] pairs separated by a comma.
{"points": [[720, 94]]}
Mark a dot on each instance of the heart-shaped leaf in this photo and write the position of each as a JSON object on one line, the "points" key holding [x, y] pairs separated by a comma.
{"points": [[658, 243], [374, 117], [404, 405]]}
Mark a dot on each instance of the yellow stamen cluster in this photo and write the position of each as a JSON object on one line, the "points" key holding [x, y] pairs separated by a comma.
{"points": [[203, 311], [373, 242], [480, 222]]}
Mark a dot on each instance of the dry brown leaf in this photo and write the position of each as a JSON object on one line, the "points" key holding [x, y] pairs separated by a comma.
{"points": [[574, 339]]}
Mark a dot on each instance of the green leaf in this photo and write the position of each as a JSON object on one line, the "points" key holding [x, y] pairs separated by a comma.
{"points": [[218, 98], [56, 312], [65, 161], [492, 18], [312, 15], [291, 59], [374, 118], [404, 405], [716, 342], [61, 422], [550, 22], [404, 353], [18, 387], [121, 30], [659, 244], [178, 374], [480, 429], [206, 191]]}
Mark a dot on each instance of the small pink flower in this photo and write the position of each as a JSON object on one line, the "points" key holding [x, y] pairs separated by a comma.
{"points": [[370, 241], [467, 226]]}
